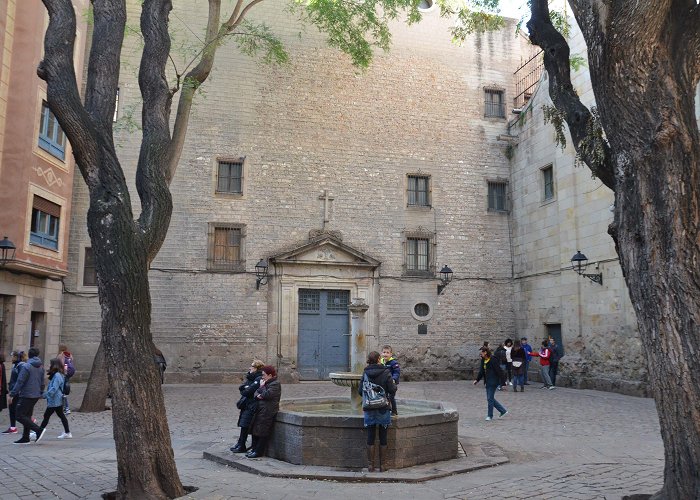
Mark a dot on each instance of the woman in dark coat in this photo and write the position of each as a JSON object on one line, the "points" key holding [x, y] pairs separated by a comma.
{"points": [[380, 375], [493, 377], [268, 397], [518, 356], [248, 404]]}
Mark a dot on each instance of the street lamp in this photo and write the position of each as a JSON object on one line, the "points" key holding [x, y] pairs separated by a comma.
{"points": [[445, 278], [260, 273], [7, 251], [579, 263]]}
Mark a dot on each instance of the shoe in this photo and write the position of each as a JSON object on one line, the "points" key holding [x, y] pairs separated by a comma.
{"points": [[40, 435], [522, 389], [65, 435], [252, 454], [510, 383], [66, 412], [488, 418], [23, 441], [239, 449], [32, 435], [503, 414], [10, 430], [544, 387], [551, 387]]}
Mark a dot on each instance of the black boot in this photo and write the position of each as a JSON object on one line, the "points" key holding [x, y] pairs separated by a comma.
{"points": [[382, 458], [239, 447], [371, 450]]}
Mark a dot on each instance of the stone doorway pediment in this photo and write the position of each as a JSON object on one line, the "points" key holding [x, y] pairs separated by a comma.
{"points": [[326, 250]]}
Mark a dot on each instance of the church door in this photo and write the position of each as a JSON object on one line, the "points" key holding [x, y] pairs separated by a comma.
{"points": [[324, 333]]}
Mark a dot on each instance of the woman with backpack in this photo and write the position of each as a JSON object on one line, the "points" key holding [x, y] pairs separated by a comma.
{"points": [[378, 374], [54, 398]]}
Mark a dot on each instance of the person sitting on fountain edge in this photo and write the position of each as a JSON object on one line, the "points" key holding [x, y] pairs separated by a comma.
{"points": [[390, 362]]}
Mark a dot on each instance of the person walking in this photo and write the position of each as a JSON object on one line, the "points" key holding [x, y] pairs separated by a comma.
{"points": [[54, 398], [554, 357], [268, 397], [66, 358], [493, 376], [528, 349], [378, 374], [518, 356], [544, 354], [17, 358], [3, 384], [247, 404], [28, 388]]}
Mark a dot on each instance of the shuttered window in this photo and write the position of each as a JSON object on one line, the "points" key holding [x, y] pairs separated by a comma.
{"points": [[45, 223], [226, 251]]}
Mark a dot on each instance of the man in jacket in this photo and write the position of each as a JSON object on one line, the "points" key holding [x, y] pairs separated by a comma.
{"points": [[528, 350], [554, 357], [28, 388]]}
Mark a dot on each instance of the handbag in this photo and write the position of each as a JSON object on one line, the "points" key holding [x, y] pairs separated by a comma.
{"points": [[240, 404], [517, 364], [373, 396]]}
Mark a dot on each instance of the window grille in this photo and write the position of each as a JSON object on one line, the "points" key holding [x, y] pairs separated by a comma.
{"points": [[230, 177], [494, 103], [338, 300], [418, 255], [309, 300], [419, 190], [226, 247], [497, 197]]}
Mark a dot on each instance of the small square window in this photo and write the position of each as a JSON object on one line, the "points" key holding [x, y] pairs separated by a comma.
{"points": [[226, 250], [418, 191], [230, 177], [497, 196], [51, 136], [494, 103], [548, 183], [89, 270]]}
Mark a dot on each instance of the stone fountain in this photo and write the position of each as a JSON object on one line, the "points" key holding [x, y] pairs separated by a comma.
{"points": [[330, 431]]}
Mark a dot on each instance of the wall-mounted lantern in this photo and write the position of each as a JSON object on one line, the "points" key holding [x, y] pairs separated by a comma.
{"points": [[260, 273], [579, 263], [7, 251], [445, 278]]}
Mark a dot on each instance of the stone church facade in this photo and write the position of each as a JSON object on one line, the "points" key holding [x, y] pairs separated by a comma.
{"points": [[357, 188]]}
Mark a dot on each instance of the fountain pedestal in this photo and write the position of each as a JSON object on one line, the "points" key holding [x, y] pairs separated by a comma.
{"points": [[353, 381]]}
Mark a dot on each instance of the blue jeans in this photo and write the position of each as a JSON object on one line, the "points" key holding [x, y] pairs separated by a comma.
{"points": [[519, 380], [491, 399], [527, 367]]}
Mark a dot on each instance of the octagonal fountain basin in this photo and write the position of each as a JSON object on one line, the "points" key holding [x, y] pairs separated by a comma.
{"points": [[329, 432]]}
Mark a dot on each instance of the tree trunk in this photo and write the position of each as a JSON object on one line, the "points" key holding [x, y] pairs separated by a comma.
{"points": [[145, 462], [98, 384], [644, 72]]}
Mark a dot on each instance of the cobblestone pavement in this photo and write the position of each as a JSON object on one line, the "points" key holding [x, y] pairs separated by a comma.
{"points": [[562, 444]]}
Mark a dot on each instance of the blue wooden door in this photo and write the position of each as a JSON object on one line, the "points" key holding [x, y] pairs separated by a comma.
{"points": [[324, 336]]}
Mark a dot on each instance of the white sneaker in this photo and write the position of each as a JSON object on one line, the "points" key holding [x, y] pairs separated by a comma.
{"points": [[32, 435], [487, 418], [510, 383], [66, 435]]}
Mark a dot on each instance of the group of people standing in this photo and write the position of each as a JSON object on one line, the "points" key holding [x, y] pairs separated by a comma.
{"points": [[27, 385], [258, 405], [508, 366]]}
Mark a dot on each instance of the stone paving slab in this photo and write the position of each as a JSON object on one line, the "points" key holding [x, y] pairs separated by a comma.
{"points": [[471, 458], [562, 444]]}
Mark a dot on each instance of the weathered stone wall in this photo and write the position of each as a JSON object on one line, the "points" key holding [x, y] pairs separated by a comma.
{"points": [[599, 331], [320, 124]]}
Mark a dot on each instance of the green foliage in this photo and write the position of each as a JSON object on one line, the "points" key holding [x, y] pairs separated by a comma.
{"points": [[355, 26], [509, 151], [474, 16], [556, 118], [560, 22], [577, 61], [592, 146], [257, 38]]}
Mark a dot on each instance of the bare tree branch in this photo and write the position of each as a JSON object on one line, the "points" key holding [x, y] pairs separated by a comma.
{"points": [[577, 116], [193, 79], [156, 201], [62, 89]]}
